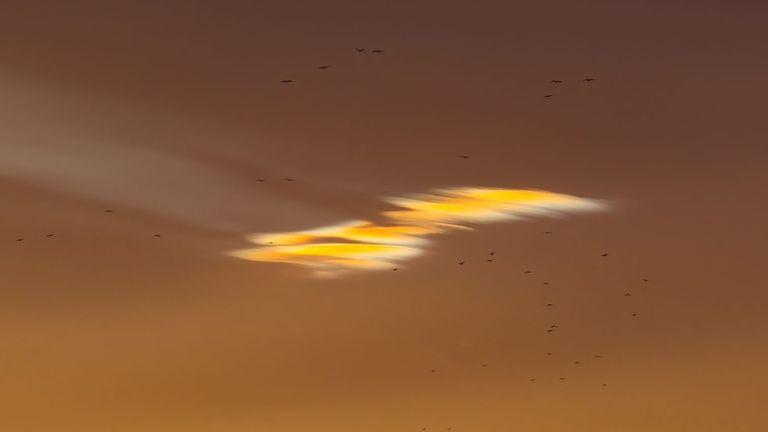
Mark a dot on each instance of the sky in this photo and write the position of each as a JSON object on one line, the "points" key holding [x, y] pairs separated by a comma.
{"points": [[188, 286]]}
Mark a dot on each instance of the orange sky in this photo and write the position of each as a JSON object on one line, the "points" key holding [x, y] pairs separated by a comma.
{"points": [[169, 113]]}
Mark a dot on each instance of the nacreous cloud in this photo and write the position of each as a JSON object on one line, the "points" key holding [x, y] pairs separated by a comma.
{"points": [[364, 245]]}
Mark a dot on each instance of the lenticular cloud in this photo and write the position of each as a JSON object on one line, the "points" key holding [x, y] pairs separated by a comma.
{"points": [[366, 245]]}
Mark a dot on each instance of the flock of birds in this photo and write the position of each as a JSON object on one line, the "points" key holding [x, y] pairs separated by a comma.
{"points": [[324, 67], [552, 327]]}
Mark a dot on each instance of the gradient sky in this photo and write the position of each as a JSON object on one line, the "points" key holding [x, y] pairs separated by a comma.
{"points": [[169, 112]]}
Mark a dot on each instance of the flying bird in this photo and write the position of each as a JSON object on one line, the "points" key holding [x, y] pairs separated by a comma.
{"points": [[556, 82], [489, 260], [548, 96], [260, 180], [156, 235], [324, 67], [548, 353], [483, 365], [360, 49], [549, 304], [461, 262], [286, 81], [546, 283], [627, 295], [527, 271], [493, 253], [604, 385], [394, 269], [644, 280], [464, 156], [634, 315], [108, 211], [587, 80], [19, 239], [605, 254], [377, 51], [577, 362], [547, 232], [288, 179], [532, 379], [562, 379], [433, 371], [49, 235]]}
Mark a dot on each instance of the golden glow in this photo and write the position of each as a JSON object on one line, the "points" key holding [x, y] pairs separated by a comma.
{"points": [[370, 246]]}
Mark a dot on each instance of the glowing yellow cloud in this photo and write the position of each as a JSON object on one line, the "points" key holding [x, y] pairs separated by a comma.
{"points": [[369, 246]]}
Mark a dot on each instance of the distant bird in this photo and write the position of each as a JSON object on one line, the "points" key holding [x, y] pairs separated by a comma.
{"points": [[628, 295], [49, 235], [634, 315], [532, 379], [597, 356], [604, 385], [271, 243], [483, 365], [546, 283], [360, 49], [547, 232], [489, 260], [550, 330], [19, 239], [156, 235], [286, 81], [377, 51], [554, 326], [394, 269], [588, 80], [562, 379], [605, 254], [108, 211], [493, 253], [527, 271], [260, 180], [556, 82], [644, 280], [577, 362], [288, 179], [548, 353], [549, 304], [461, 262], [324, 67], [548, 96], [464, 156], [433, 371]]}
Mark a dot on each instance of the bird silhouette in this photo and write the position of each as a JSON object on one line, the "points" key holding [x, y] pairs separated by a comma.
{"points": [[597, 356], [108, 211], [532, 379], [562, 379], [360, 49], [628, 295], [548, 96], [464, 156], [377, 51], [489, 260], [493, 253], [433, 371], [546, 283], [527, 271], [605, 254], [577, 362], [548, 353], [19, 239], [288, 179], [547, 232], [483, 365], [634, 315], [260, 180], [324, 67], [550, 330], [286, 81], [549, 304], [394, 269], [556, 82], [644, 280], [588, 80], [49, 235], [461, 262], [156, 235], [604, 385]]}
